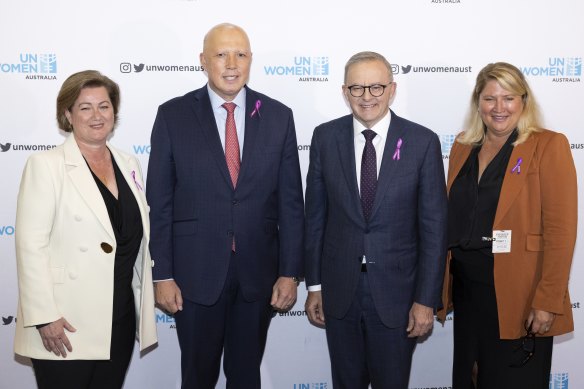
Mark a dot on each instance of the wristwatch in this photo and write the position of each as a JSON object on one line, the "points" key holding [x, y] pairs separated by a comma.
{"points": [[296, 280]]}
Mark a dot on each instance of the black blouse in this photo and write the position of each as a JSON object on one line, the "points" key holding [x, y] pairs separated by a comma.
{"points": [[126, 221], [472, 205]]}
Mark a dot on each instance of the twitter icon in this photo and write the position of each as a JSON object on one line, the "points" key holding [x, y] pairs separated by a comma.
{"points": [[5, 147], [138, 68]]}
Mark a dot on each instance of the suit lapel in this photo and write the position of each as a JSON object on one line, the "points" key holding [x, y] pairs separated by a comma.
{"points": [[133, 176], [346, 146], [206, 122], [253, 126], [513, 181], [84, 182], [388, 165]]}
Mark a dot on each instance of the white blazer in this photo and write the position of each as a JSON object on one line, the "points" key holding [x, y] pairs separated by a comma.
{"points": [[63, 271]]}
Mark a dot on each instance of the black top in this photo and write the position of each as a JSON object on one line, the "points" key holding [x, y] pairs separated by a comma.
{"points": [[472, 205], [126, 220]]}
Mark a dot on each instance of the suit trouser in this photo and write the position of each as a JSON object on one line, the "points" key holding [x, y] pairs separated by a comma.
{"points": [[363, 350], [233, 327], [476, 339], [91, 374]]}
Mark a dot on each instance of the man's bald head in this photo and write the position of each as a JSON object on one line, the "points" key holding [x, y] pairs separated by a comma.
{"points": [[226, 58]]}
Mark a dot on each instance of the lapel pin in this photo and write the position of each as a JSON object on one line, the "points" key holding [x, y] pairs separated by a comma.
{"points": [[258, 104], [396, 154], [135, 180], [517, 167]]}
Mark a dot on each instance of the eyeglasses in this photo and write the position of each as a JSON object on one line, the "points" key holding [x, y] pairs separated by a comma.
{"points": [[527, 346], [375, 90]]}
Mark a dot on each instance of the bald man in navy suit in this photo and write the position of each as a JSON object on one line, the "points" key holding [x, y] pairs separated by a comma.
{"points": [[227, 215]]}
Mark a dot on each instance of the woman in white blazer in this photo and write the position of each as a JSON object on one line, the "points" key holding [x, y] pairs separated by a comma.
{"points": [[84, 269]]}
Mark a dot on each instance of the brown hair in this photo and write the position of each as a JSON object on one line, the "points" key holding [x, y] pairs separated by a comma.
{"points": [[71, 89]]}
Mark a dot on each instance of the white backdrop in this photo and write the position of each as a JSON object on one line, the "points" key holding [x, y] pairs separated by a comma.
{"points": [[300, 48]]}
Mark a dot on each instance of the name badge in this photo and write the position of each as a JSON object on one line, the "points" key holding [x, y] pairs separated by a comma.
{"points": [[501, 241]]}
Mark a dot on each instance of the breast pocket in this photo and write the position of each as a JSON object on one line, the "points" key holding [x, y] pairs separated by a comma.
{"points": [[184, 227]]}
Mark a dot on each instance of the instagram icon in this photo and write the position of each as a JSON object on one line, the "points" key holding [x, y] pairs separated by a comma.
{"points": [[125, 67]]}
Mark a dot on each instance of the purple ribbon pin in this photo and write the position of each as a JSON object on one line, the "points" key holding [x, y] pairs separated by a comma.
{"points": [[396, 155], [517, 167], [135, 180], [258, 104]]}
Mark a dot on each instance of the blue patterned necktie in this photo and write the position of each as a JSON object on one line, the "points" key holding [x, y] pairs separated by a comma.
{"points": [[368, 173]]}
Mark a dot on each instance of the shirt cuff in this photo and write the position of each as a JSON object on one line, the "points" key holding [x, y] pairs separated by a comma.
{"points": [[314, 288]]}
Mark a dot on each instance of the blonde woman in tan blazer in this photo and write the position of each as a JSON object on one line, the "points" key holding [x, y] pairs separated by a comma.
{"points": [[82, 233], [512, 230]]}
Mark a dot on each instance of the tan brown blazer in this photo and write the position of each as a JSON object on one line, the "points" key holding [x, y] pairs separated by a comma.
{"points": [[539, 206]]}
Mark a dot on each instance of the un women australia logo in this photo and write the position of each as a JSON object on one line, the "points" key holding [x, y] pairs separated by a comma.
{"points": [[559, 381]]}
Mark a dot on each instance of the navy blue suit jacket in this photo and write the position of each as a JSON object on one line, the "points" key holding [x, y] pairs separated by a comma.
{"points": [[195, 211], [405, 239]]}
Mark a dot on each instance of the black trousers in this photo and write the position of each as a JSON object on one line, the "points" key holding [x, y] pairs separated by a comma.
{"points": [[476, 339], [91, 374]]}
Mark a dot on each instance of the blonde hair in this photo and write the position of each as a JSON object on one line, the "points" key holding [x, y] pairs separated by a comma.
{"points": [[511, 79]]}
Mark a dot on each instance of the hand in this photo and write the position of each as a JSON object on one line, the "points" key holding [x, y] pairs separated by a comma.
{"points": [[540, 321], [168, 296], [313, 307], [283, 294], [54, 338], [421, 320]]}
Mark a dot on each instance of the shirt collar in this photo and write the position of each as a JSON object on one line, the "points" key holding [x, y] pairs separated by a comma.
{"points": [[381, 128], [217, 101]]}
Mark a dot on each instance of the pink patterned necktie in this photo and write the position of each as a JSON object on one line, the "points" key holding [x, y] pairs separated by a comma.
{"points": [[231, 149], [231, 144]]}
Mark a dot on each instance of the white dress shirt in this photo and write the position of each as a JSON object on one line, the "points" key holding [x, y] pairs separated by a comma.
{"points": [[221, 116], [381, 129]]}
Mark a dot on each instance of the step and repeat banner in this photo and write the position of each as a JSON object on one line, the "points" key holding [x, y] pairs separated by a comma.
{"points": [[151, 48]]}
